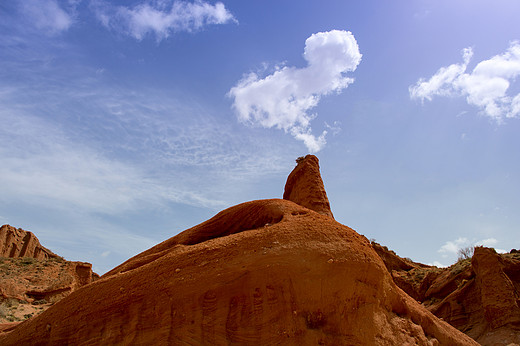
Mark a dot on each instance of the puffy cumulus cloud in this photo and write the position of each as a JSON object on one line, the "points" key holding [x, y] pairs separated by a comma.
{"points": [[284, 98], [46, 15], [161, 18], [485, 87]]}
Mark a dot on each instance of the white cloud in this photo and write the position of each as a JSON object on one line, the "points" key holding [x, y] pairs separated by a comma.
{"points": [[485, 87], [489, 242], [47, 15], [44, 165], [437, 264], [452, 247], [335, 127], [284, 98], [161, 18], [125, 150]]}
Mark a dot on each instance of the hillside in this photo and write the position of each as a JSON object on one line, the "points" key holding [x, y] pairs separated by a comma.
{"points": [[33, 278]]}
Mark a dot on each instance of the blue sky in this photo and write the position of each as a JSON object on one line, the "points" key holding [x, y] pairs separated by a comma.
{"points": [[126, 122]]}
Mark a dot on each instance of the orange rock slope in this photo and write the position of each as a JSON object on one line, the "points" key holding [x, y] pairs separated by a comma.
{"points": [[264, 272]]}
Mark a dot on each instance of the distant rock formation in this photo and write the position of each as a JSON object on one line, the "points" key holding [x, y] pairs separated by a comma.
{"points": [[265, 272], [480, 296], [15, 242], [305, 187], [32, 277]]}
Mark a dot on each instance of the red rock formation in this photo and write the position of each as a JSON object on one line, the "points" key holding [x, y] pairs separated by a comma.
{"points": [[263, 272], [19, 243], [32, 277], [304, 186], [498, 295], [479, 297]]}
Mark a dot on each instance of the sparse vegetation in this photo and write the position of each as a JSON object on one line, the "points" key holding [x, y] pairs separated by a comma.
{"points": [[27, 261], [466, 253]]}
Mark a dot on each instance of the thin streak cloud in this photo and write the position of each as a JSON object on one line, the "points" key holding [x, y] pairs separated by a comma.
{"points": [[46, 15], [161, 18]]}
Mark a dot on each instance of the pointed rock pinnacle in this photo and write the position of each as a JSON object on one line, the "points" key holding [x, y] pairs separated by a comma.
{"points": [[304, 186]]}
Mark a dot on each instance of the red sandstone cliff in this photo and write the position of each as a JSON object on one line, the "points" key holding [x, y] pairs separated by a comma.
{"points": [[260, 273], [15, 242]]}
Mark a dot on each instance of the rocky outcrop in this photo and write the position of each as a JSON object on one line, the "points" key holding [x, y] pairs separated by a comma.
{"points": [[498, 296], [262, 272], [15, 242], [32, 278], [305, 187], [479, 296]]}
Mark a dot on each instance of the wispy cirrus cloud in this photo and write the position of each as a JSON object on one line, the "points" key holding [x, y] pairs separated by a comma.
{"points": [[44, 165], [47, 16], [485, 87], [283, 99], [161, 18], [105, 149]]}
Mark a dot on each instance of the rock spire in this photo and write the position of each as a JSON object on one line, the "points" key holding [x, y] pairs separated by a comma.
{"points": [[305, 187]]}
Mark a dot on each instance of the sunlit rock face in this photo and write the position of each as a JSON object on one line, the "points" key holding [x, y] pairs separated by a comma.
{"points": [[305, 187]]}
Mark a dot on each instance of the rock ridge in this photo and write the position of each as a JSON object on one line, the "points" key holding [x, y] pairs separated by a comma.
{"points": [[16, 242]]}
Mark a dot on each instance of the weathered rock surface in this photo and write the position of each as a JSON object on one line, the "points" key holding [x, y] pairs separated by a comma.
{"points": [[479, 296], [265, 272], [15, 242], [305, 187], [39, 278]]}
